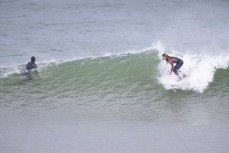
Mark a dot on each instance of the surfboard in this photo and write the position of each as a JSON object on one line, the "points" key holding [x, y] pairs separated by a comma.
{"points": [[183, 77]]}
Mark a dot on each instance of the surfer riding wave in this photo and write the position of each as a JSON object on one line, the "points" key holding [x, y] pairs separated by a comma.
{"points": [[171, 60]]}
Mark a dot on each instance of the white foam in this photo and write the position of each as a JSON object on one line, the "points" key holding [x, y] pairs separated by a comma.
{"points": [[199, 68], [6, 71]]}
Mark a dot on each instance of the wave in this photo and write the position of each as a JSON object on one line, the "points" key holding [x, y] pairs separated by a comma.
{"points": [[138, 69], [200, 70]]}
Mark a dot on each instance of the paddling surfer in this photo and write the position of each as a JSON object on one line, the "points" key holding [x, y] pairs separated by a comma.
{"points": [[31, 65]]}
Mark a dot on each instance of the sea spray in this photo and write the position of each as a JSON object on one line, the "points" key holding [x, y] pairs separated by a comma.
{"points": [[200, 70]]}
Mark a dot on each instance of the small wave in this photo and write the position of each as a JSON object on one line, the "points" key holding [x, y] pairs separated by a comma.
{"points": [[133, 67], [6, 71]]}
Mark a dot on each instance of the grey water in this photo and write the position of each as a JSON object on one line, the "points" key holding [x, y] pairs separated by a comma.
{"points": [[54, 30], [115, 103]]}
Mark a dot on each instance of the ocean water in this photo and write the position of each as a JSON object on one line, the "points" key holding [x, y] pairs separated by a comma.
{"points": [[102, 85]]}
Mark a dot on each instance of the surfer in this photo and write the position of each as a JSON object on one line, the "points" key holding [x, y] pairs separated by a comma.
{"points": [[31, 65], [171, 60]]}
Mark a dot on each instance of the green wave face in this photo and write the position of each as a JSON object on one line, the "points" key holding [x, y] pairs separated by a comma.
{"points": [[119, 75]]}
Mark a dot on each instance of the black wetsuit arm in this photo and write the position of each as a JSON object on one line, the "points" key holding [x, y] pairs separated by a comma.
{"points": [[172, 67], [30, 66], [27, 66]]}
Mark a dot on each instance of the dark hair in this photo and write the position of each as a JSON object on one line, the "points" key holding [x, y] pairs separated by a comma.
{"points": [[33, 59]]}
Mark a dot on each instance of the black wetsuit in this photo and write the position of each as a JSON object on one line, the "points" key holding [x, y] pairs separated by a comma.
{"points": [[179, 63], [31, 65]]}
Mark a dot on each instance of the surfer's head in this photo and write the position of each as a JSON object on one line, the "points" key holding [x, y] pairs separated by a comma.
{"points": [[33, 59], [165, 56]]}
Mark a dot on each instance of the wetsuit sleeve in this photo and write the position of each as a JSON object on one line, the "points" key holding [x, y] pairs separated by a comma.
{"points": [[27, 66], [172, 66], [30, 66]]}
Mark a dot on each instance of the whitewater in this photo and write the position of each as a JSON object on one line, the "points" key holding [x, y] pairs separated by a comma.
{"points": [[102, 85]]}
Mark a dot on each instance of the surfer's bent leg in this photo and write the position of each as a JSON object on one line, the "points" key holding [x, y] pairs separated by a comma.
{"points": [[177, 67], [176, 72]]}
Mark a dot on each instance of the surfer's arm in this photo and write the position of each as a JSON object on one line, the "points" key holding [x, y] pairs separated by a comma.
{"points": [[172, 66], [27, 66]]}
